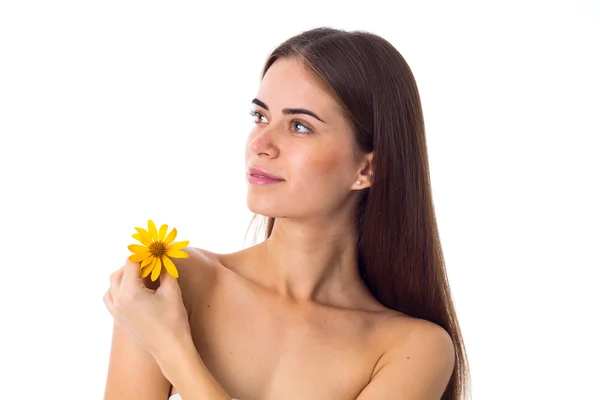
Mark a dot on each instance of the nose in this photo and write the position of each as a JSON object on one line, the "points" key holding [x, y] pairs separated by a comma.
{"points": [[263, 143]]}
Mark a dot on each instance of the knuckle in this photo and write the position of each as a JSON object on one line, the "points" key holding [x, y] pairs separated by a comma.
{"points": [[125, 297], [114, 276]]}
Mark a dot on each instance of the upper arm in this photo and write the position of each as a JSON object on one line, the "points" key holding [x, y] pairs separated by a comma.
{"points": [[417, 367], [133, 374]]}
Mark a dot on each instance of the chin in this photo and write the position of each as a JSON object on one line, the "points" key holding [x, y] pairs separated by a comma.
{"points": [[264, 207], [262, 210], [259, 205]]}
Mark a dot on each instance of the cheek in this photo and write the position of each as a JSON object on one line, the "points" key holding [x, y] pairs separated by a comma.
{"points": [[328, 166], [323, 167]]}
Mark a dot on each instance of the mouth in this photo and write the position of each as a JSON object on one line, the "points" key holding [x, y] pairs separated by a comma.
{"points": [[262, 174], [258, 176]]}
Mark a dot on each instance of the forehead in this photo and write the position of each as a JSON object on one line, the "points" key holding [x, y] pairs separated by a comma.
{"points": [[288, 84]]}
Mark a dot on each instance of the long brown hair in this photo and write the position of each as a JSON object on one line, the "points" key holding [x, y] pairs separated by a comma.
{"points": [[399, 251]]}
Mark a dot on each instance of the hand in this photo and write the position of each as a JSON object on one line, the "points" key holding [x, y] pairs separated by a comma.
{"points": [[156, 319]]}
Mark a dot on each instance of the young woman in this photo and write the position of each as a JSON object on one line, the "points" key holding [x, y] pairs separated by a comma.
{"points": [[347, 298]]}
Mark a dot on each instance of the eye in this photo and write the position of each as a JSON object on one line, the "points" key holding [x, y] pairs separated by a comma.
{"points": [[256, 114], [298, 124]]}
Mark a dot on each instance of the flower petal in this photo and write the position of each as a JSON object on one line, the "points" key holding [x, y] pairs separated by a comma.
{"points": [[144, 234], [148, 268], [137, 257], [146, 262], [136, 248], [171, 269], [141, 239], [177, 253], [170, 237], [152, 230], [156, 270], [162, 232], [178, 245], [145, 271]]}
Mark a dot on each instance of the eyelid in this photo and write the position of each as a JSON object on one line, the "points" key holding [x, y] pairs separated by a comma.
{"points": [[307, 126], [256, 112]]}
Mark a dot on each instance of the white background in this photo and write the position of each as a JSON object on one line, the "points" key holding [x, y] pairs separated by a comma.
{"points": [[114, 112]]}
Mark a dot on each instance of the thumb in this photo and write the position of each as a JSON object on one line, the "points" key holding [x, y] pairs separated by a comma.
{"points": [[168, 284]]}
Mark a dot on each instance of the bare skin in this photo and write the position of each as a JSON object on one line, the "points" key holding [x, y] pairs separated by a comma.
{"points": [[291, 318], [260, 345]]}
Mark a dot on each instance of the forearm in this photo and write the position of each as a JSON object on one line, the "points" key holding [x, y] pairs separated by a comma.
{"points": [[186, 371]]}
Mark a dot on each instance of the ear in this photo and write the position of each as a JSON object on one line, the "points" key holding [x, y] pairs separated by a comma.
{"points": [[364, 176]]}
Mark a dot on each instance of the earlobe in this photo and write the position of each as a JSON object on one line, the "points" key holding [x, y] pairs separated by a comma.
{"points": [[365, 175], [360, 184]]}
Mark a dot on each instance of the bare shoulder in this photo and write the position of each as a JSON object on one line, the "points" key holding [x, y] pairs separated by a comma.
{"points": [[197, 274], [417, 362], [199, 267], [420, 336]]}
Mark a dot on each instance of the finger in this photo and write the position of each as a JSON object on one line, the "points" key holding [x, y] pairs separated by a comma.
{"points": [[166, 280], [168, 284], [108, 302], [131, 276], [115, 282]]}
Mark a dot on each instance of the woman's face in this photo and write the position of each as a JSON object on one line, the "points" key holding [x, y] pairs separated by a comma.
{"points": [[315, 156]]}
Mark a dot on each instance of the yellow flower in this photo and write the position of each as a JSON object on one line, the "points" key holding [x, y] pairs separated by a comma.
{"points": [[156, 250]]}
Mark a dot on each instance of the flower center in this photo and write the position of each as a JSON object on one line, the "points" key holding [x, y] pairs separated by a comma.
{"points": [[158, 249]]}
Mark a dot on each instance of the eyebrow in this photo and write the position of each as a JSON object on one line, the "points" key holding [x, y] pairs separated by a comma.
{"points": [[290, 110]]}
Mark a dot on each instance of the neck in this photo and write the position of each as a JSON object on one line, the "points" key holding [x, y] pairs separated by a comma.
{"points": [[312, 261]]}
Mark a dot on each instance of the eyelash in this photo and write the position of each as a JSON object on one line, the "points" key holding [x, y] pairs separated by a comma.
{"points": [[256, 113]]}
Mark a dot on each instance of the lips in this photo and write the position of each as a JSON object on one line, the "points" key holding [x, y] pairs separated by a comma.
{"points": [[261, 173]]}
